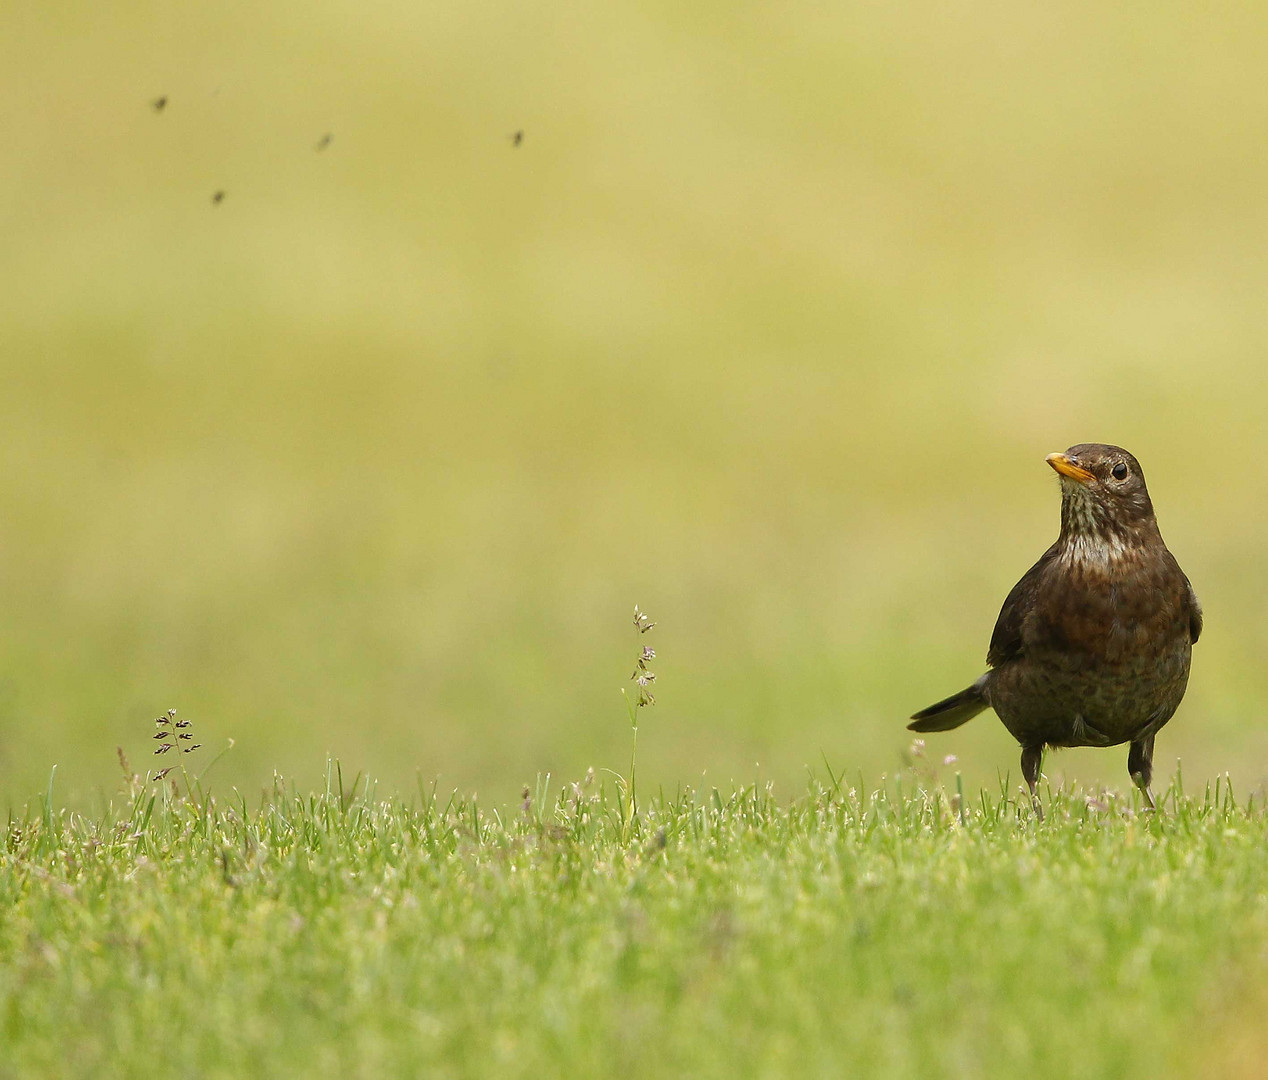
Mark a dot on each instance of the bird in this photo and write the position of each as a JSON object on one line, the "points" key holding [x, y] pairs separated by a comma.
{"points": [[1093, 645]]}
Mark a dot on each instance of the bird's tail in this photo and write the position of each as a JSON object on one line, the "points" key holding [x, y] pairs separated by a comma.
{"points": [[953, 711]]}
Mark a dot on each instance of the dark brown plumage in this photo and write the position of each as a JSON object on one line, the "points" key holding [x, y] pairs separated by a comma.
{"points": [[1092, 646]]}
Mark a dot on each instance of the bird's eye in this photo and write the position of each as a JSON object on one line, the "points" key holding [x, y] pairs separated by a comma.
{"points": [[1119, 471]]}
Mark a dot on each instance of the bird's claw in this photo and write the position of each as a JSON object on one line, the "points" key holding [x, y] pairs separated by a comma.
{"points": [[1150, 803]]}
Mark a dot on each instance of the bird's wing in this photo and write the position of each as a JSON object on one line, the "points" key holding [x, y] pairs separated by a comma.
{"points": [[1195, 614], [1006, 641], [1192, 607]]}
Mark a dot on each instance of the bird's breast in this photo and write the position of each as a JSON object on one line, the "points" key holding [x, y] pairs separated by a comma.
{"points": [[1109, 603]]}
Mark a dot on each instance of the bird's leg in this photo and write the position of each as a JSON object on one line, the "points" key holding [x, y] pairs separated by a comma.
{"points": [[1031, 759], [1140, 764]]}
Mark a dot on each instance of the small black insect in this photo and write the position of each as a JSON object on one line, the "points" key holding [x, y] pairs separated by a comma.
{"points": [[159, 103], [218, 198], [323, 142], [517, 138]]}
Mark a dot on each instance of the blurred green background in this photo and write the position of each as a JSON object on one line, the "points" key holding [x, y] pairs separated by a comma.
{"points": [[766, 326]]}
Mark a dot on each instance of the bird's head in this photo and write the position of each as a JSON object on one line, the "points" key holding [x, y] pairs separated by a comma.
{"points": [[1102, 492]]}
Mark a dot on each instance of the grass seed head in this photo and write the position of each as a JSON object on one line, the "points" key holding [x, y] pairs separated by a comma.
{"points": [[173, 734], [643, 676]]}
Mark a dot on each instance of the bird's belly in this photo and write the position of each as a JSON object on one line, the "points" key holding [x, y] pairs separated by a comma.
{"points": [[1071, 699]]}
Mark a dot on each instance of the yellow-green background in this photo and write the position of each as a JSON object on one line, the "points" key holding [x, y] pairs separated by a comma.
{"points": [[766, 326]]}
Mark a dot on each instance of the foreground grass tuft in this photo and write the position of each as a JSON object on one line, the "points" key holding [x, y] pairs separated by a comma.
{"points": [[895, 934]]}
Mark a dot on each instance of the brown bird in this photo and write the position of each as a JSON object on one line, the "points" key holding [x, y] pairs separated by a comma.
{"points": [[1092, 646]]}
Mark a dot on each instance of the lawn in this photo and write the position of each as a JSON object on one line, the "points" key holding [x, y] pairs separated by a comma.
{"points": [[899, 932]]}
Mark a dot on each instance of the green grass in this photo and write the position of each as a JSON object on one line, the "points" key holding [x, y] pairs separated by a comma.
{"points": [[889, 934]]}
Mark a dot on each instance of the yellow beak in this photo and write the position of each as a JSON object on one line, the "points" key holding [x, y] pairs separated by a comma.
{"points": [[1066, 467]]}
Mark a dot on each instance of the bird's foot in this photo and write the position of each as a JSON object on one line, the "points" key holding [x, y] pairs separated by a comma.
{"points": [[1150, 803], [1036, 805]]}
